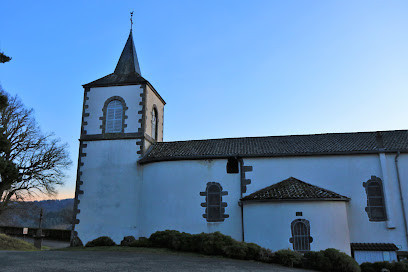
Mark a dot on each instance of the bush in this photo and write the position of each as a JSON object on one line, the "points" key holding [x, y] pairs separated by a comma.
{"points": [[288, 258], [214, 243], [266, 256], [378, 266], [316, 260], [127, 240], [142, 242], [238, 250], [101, 241], [340, 262]]}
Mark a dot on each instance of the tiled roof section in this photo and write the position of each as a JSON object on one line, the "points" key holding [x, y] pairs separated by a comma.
{"points": [[117, 79], [293, 189], [295, 145], [374, 246]]}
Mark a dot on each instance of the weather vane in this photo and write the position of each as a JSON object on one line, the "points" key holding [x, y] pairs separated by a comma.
{"points": [[131, 20]]}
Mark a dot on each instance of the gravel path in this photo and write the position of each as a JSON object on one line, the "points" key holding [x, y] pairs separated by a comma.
{"points": [[59, 261]]}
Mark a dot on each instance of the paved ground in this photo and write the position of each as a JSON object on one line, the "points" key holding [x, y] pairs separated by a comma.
{"points": [[59, 261]]}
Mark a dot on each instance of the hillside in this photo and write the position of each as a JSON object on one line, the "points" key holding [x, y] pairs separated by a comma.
{"points": [[57, 214]]}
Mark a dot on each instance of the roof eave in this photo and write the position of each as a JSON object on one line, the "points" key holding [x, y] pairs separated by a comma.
{"points": [[209, 157], [296, 199]]}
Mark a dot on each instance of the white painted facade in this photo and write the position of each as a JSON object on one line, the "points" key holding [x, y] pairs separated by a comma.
{"points": [[117, 196], [375, 256]]}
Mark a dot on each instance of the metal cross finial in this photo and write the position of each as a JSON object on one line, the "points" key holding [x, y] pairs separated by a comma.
{"points": [[131, 20]]}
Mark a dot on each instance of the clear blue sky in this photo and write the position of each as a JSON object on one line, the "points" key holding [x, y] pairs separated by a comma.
{"points": [[225, 68]]}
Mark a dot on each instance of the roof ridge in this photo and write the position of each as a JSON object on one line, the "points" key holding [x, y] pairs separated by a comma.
{"points": [[277, 136]]}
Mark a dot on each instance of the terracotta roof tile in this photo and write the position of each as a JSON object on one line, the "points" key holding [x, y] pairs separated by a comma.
{"points": [[293, 189], [374, 246], [294, 145]]}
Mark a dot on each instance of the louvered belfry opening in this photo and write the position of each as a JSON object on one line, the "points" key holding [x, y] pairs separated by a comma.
{"points": [[114, 115]]}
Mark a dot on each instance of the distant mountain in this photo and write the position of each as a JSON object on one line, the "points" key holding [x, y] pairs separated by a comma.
{"points": [[57, 214]]}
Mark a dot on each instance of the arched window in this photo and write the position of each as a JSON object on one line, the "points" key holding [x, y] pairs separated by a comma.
{"points": [[114, 117], [375, 199], [215, 208], [301, 238], [154, 123]]}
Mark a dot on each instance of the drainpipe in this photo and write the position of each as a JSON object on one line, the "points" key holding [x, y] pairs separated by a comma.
{"points": [[401, 197], [388, 192], [241, 203]]}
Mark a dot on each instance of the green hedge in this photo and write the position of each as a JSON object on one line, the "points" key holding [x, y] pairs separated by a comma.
{"points": [[101, 241], [219, 244], [378, 266]]}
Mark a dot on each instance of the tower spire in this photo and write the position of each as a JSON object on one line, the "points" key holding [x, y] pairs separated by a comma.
{"points": [[128, 62], [131, 21]]}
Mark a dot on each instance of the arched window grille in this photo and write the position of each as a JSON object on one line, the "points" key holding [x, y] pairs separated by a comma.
{"points": [[215, 208], [301, 238], [114, 115], [375, 199], [154, 123]]}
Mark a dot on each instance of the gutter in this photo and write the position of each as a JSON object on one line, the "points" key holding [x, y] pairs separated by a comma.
{"points": [[401, 196]]}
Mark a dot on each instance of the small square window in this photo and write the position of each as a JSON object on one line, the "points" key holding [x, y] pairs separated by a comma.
{"points": [[299, 214]]}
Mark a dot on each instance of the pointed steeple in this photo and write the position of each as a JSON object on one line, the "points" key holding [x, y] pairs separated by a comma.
{"points": [[128, 62]]}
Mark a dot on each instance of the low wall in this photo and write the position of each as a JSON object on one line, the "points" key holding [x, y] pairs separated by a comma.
{"points": [[52, 234]]}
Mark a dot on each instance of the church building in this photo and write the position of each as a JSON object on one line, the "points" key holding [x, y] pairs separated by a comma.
{"points": [[304, 192]]}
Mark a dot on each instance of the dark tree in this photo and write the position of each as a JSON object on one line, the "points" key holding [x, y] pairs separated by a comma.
{"points": [[4, 58], [31, 163]]}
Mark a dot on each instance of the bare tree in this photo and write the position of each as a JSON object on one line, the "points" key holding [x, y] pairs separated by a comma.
{"points": [[40, 159]]}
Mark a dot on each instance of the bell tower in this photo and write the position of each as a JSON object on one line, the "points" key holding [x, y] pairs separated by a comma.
{"points": [[122, 116]]}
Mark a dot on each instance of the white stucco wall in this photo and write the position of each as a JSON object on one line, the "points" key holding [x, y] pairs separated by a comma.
{"points": [[170, 194], [97, 98], [110, 200], [344, 175], [269, 224], [171, 197]]}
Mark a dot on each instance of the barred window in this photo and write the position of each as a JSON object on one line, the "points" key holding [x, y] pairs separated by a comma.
{"points": [[114, 115], [215, 208], [375, 199], [301, 238]]}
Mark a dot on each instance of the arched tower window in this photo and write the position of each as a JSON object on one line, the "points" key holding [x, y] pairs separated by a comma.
{"points": [[114, 115], [301, 238], [215, 208], [375, 199], [154, 123]]}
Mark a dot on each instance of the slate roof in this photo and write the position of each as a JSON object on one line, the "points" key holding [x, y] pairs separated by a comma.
{"points": [[374, 246], [276, 146], [293, 189], [127, 70]]}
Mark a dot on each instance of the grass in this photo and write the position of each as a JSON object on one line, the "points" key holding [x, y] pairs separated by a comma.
{"points": [[10, 243]]}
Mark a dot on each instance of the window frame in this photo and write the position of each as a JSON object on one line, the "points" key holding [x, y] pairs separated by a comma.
{"points": [[209, 214], [155, 126], [103, 118], [303, 237], [369, 208]]}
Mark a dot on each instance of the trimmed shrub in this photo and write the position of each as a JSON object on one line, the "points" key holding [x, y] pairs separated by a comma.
{"points": [[238, 250], [288, 258], [214, 243], [142, 242], [253, 251], [101, 241], [378, 266], [316, 260], [266, 256], [127, 240], [340, 262]]}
